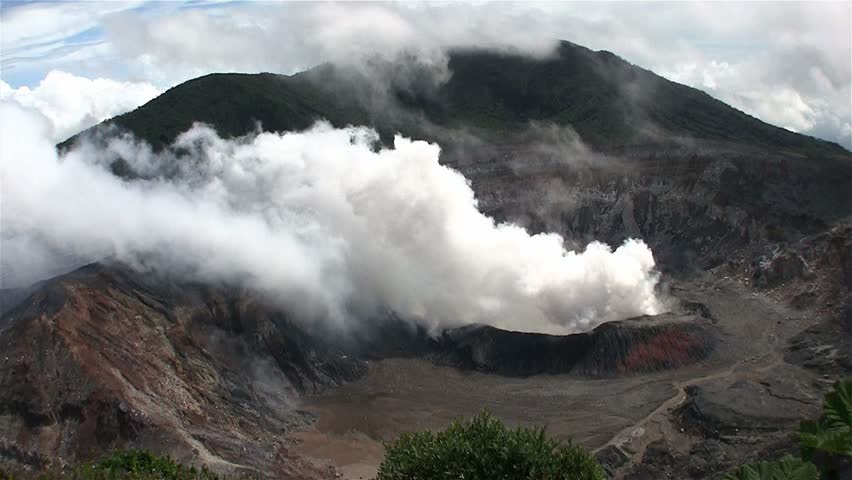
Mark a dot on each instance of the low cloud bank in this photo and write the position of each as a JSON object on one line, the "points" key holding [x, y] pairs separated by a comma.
{"points": [[72, 103], [318, 220]]}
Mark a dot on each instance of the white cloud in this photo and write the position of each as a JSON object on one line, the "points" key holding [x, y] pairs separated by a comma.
{"points": [[73, 103], [49, 34], [789, 64], [783, 107], [292, 37], [318, 219], [822, 109], [34, 24]]}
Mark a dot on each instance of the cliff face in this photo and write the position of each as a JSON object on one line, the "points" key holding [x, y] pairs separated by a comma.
{"points": [[103, 358], [698, 206]]}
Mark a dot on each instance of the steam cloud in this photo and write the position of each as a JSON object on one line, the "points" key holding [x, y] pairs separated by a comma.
{"points": [[318, 218]]}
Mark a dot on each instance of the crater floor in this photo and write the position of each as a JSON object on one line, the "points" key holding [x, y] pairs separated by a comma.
{"points": [[744, 385]]}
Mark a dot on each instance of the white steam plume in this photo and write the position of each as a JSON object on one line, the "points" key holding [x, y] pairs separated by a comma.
{"points": [[320, 219]]}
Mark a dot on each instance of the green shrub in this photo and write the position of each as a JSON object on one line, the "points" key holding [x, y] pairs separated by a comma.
{"points": [[125, 465], [832, 433], [485, 449], [788, 468], [140, 465], [826, 445], [827, 442]]}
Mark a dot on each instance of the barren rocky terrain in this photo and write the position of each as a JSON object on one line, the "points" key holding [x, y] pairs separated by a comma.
{"points": [[751, 227], [697, 421]]}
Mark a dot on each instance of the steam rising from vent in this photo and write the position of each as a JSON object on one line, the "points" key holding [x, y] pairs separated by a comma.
{"points": [[318, 219]]}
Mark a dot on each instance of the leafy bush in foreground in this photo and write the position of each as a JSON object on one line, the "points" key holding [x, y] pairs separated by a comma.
{"points": [[826, 445], [788, 468], [828, 441], [128, 465], [485, 449], [142, 464]]}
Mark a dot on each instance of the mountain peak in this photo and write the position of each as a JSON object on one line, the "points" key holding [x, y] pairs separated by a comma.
{"points": [[607, 100]]}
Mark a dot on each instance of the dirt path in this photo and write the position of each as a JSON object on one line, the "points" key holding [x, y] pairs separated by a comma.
{"points": [[634, 440], [764, 355]]}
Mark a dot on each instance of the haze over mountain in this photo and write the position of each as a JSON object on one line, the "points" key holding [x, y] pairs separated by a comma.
{"points": [[606, 100], [319, 254], [785, 63]]}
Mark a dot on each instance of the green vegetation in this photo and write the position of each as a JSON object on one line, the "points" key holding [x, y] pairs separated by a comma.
{"points": [[788, 468], [826, 445], [607, 100], [828, 441], [127, 465], [485, 449], [234, 104]]}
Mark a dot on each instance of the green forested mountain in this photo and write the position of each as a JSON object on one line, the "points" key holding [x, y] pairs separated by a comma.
{"points": [[608, 101]]}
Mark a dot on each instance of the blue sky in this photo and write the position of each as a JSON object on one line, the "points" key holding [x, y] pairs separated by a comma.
{"points": [[26, 61], [787, 63]]}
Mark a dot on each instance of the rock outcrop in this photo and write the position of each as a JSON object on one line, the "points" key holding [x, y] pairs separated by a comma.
{"points": [[104, 358]]}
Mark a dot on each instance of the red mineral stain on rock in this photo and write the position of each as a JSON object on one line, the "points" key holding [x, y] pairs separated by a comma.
{"points": [[668, 349]]}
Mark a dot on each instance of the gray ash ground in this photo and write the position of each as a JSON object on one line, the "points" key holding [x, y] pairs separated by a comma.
{"points": [[102, 358], [742, 402]]}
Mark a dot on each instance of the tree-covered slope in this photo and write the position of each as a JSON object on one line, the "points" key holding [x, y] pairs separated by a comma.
{"points": [[604, 97], [608, 101], [234, 104]]}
